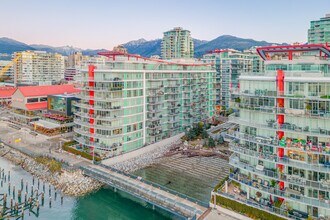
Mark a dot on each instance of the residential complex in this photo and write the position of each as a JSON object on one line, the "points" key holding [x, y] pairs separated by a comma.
{"points": [[75, 59], [177, 43], [229, 64], [129, 101], [319, 32], [281, 152], [38, 68]]}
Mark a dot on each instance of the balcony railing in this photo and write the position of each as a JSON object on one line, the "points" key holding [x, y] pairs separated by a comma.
{"points": [[289, 194], [320, 148], [275, 159], [284, 127], [96, 144]]}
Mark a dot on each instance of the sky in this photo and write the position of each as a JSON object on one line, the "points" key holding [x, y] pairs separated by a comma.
{"points": [[97, 24]]}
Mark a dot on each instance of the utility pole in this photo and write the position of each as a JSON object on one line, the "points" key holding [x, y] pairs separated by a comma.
{"points": [[93, 154]]}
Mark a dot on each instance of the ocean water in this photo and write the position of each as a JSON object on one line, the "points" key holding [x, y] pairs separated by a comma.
{"points": [[105, 204]]}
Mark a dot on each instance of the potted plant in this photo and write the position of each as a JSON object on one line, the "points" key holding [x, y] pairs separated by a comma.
{"points": [[273, 183]]}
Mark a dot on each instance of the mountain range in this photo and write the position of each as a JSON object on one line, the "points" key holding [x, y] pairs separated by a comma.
{"points": [[143, 47]]}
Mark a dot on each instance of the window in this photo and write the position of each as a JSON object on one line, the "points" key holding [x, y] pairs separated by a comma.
{"points": [[32, 100], [43, 99]]}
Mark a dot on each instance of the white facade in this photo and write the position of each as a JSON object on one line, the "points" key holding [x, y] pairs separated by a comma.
{"points": [[39, 68]]}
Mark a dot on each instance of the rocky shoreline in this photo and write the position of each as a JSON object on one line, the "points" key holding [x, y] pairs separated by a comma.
{"points": [[70, 183], [145, 160]]}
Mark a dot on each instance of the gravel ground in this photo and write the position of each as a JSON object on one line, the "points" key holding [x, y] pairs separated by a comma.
{"points": [[145, 159]]}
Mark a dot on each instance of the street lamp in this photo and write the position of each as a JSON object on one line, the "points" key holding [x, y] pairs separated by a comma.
{"points": [[93, 154]]}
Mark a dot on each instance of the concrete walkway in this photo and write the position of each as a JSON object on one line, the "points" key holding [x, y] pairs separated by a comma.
{"points": [[225, 214], [141, 151]]}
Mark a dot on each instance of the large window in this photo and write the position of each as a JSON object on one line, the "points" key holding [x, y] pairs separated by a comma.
{"points": [[32, 100], [296, 104]]}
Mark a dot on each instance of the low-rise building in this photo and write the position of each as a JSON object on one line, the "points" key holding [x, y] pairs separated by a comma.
{"points": [[29, 101], [6, 95]]}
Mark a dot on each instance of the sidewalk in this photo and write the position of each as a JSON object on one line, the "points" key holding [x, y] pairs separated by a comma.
{"points": [[225, 214]]}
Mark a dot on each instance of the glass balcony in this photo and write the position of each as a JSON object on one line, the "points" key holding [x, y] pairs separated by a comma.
{"points": [[290, 128], [289, 194], [324, 184]]}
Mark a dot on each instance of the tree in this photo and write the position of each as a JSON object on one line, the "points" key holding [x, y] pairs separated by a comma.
{"points": [[204, 134], [211, 143], [221, 140]]}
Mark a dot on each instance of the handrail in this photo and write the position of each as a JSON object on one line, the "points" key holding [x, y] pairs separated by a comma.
{"points": [[199, 202]]}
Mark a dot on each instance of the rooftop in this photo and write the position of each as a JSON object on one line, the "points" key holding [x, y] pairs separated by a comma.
{"points": [[30, 91], [289, 49], [114, 54], [6, 92]]}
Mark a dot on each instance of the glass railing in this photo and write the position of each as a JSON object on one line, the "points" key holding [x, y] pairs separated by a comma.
{"points": [[284, 127], [87, 133], [279, 160], [253, 203], [289, 194], [289, 143]]}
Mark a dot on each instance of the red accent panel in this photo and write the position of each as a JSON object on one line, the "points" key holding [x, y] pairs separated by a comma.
{"points": [[280, 119], [280, 102], [91, 130], [290, 55], [91, 102], [91, 139], [91, 69], [91, 93], [280, 134], [91, 111], [281, 185], [91, 121], [280, 82], [91, 84], [280, 153]]}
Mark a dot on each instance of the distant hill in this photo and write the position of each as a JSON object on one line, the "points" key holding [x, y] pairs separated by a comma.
{"points": [[65, 50], [228, 41], [153, 47], [141, 46], [10, 46]]}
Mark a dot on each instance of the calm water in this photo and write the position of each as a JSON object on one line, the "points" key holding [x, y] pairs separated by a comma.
{"points": [[104, 204]]}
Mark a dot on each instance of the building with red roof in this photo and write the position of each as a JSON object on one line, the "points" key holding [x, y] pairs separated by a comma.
{"points": [[6, 94], [28, 100]]}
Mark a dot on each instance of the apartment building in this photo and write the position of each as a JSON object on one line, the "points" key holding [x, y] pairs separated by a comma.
{"points": [[129, 101], [38, 68], [176, 44], [229, 64], [281, 151], [319, 32]]}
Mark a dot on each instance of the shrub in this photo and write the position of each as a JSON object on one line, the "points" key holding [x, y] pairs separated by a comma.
{"points": [[211, 143], [52, 164], [81, 153], [245, 209], [221, 183], [70, 143]]}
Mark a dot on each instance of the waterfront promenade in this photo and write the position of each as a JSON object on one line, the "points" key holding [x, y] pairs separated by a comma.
{"points": [[152, 193]]}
